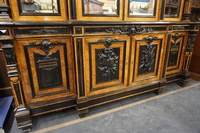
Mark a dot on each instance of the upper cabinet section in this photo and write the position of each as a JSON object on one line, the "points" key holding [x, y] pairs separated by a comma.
{"points": [[173, 10], [100, 10], [39, 10], [95, 10], [142, 10], [128, 10]]}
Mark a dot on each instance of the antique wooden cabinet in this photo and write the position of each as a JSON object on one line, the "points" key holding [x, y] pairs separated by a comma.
{"points": [[63, 54]]}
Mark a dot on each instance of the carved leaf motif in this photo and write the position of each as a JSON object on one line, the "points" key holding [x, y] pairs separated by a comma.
{"points": [[107, 61], [43, 31], [148, 55], [130, 30]]}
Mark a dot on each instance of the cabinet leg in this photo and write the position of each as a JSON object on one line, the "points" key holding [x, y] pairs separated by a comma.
{"points": [[184, 78], [159, 91], [83, 113], [23, 119]]}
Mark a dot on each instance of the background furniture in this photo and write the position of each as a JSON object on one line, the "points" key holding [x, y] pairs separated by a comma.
{"points": [[195, 61]]}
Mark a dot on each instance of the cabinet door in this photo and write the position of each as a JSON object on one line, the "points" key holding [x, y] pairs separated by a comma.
{"points": [[147, 58], [46, 68], [172, 10], [104, 61], [176, 53]]}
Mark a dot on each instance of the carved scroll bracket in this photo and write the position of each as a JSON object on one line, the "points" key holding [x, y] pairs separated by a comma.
{"points": [[176, 36], [45, 45], [130, 30]]}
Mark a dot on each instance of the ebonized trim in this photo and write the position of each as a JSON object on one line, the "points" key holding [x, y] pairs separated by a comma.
{"points": [[162, 11], [52, 107], [80, 66], [23, 118], [166, 53], [17, 91], [108, 98], [176, 77], [88, 23], [73, 9]]}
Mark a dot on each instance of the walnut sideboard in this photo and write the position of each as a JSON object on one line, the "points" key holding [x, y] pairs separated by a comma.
{"points": [[90, 53]]}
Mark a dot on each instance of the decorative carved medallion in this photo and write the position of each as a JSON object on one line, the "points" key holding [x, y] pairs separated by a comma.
{"points": [[148, 55], [107, 60], [43, 31], [45, 45], [130, 30]]}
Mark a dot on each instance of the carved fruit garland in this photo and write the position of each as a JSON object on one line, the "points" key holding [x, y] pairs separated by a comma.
{"points": [[107, 60], [148, 55]]}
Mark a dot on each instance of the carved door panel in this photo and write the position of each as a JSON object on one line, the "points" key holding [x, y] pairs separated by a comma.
{"points": [[176, 52], [147, 57], [46, 68], [101, 64]]}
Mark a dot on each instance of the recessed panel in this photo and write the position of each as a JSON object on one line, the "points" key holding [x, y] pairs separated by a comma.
{"points": [[39, 7], [101, 7], [147, 59], [47, 67], [107, 63], [107, 68], [48, 70], [147, 54], [142, 7]]}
